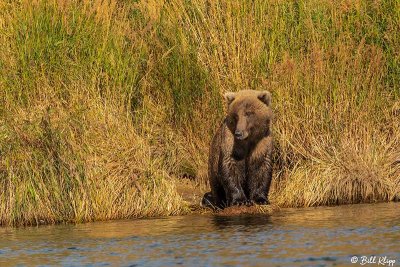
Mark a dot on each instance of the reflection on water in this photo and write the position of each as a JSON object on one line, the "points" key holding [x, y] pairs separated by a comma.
{"points": [[321, 236]]}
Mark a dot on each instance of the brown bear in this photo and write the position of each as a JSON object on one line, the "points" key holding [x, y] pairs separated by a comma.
{"points": [[240, 157]]}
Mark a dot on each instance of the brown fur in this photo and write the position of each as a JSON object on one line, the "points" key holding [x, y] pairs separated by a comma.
{"points": [[240, 166]]}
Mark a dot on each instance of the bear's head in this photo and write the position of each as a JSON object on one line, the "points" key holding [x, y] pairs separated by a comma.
{"points": [[249, 117]]}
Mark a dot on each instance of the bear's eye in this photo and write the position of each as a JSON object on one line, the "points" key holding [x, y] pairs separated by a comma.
{"points": [[249, 113], [235, 118], [232, 119]]}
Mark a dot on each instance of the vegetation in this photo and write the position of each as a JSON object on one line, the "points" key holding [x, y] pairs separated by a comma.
{"points": [[105, 104]]}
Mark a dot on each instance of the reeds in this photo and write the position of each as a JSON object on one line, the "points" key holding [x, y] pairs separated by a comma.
{"points": [[105, 103]]}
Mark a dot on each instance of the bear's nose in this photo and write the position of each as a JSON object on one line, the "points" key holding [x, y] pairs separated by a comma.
{"points": [[238, 134]]}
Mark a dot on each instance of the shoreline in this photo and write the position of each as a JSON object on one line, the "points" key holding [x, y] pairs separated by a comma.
{"points": [[197, 210], [191, 195]]}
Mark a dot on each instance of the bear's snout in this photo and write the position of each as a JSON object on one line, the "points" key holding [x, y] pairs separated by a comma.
{"points": [[241, 135], [238, 134]]}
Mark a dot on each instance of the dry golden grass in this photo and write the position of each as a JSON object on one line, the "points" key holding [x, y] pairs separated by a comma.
{"points": [[105, 104]]}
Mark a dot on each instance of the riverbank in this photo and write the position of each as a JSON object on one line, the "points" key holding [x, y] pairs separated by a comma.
{"points": [[106, 105]]}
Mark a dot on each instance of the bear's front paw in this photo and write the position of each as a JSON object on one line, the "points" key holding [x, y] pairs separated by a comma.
{"points": [[261, 200], [239, 201]]}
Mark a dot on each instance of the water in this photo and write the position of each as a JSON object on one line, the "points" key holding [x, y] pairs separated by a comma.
{"points": [[323, 236]]}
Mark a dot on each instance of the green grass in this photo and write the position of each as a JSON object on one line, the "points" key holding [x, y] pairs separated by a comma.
{"points": [[103, 104]]}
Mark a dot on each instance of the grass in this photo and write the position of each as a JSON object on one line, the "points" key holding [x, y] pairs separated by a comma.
{"points": [[104, 105]]}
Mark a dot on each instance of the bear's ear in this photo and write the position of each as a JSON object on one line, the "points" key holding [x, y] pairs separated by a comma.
{"points": [[265, 96], [229, 97]]}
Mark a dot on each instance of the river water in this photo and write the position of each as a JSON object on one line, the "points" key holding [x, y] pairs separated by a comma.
{"points": [[322, 236]]}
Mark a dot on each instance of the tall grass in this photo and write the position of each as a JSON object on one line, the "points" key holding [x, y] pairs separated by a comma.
{"points": [[105, 103]]}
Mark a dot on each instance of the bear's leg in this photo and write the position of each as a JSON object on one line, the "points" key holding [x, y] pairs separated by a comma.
{"points": [[259, 182], [217, 195], [233, 175]]}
